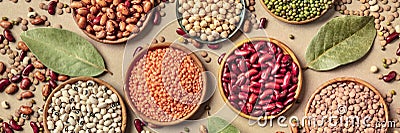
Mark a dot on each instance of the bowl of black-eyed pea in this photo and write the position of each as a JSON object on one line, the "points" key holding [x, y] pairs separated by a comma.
{"points": [[346, 105], [210, 21], [84, 104]]}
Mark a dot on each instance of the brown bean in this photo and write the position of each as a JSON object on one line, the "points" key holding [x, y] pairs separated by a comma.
{"points": [[39, 76], [147, 6], [25, 83], [26, 110], [27, 94], [11, 89], [22, 46], [6, 24], [62, 77], [76, 4], [46, 90]]}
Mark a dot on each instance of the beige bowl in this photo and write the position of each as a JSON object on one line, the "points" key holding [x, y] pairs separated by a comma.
{"points": [[285, 50], [137, 57], [74, 80]]}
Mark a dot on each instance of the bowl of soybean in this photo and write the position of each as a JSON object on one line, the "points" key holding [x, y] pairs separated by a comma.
{"points": [[297, 11]]}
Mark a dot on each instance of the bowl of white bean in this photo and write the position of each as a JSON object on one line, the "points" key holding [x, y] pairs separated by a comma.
{"points": [[210, 21], [84, 104]]}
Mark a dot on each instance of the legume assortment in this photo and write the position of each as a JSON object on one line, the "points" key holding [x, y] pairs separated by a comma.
{"points": [[346, 99], [165, 84], [259, 78], [210, 20], [297, 10], [85, 106]]}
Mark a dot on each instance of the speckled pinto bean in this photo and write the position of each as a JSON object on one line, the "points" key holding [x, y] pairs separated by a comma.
{"points": [[259, 79], [110, 19], [166, 84]]}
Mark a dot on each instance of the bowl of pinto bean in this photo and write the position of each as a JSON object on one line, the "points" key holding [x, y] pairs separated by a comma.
{"points": [[112, 21], [260, 78]]}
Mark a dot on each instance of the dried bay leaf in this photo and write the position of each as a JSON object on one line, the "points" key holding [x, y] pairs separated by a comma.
{"points": [[341, 41], [64, 52], [219, 125]]}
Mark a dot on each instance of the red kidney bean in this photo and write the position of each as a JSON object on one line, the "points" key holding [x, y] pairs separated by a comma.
{"points": [[266, 93], [4, 83], [253, 98], [52, 7], [53, 84], [14, 125], [293, 88], [288, 101], [249, 107], [16, 78], [8, 35], [138, 125], [242, 52], [29, 68], [257, 113], [263, 23], [22, 55], [2, 38], [269, 107], [7, 128], [213, 46], [235, 105], [265, 58], [53, 75], [233, 98], [157, 18], [25, 83], [392, 37], [35, 128], [390, 77], [243, 96], [253, 58], [221, 57], [180, 31]]}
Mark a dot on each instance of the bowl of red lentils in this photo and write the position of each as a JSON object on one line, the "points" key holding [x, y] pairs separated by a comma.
{"points": [[164, 84], [112, 21], [260, 78]]}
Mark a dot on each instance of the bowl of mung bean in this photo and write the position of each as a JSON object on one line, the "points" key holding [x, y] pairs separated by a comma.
{"points": [[297, 11], [350, 99], [164, 84], [210, 21], [84, 104], [112, 21], [260, 78]]}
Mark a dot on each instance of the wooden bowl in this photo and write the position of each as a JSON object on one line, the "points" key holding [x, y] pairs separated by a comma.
{"points": [[295, 22], [285, 50], [346, 80], [74, 80], [137, 57], [120, 40]]}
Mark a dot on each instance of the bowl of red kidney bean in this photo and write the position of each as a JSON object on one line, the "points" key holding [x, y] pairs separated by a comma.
{"points": [[164, 84], [260, 78]]}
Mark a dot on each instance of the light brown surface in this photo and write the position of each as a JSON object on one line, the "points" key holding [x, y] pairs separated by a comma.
{"points": [[117, 63]]}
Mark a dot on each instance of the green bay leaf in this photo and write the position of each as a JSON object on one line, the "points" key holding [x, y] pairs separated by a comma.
{"points": [[219, 125], [341, 41], [64, 51]]}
